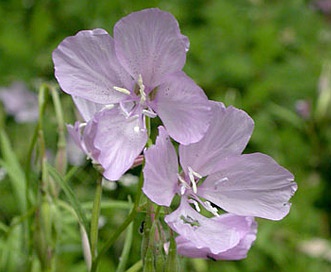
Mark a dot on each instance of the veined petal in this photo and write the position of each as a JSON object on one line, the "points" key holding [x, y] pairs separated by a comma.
{"points": [[149, 43], [75, 134], [186, 248], [250, 185], [86, 66], [120, 140], [183, 108], [86, 108], [228, 134], [88, 137], [160, 171], [203, 232]]}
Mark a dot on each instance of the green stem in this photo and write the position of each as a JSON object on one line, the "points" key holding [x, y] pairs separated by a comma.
{"points": [[136, 267], [121, 228], [95, 218], [126, 248], [61, 155]]}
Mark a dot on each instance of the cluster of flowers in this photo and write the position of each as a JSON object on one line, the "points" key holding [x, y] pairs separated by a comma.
{"points": [[117, 83]]}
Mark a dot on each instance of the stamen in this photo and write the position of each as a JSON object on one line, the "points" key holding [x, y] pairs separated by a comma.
{"points": [[194, 184], [82, 125], [182, 190], [196, 205], [122, 90], [141, 89], [181, 179], [184, 185], [126, 112], [108, 107], [192, 174], [210, 208], [150, 113]]}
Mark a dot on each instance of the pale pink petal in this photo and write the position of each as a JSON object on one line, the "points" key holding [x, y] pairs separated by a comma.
{"points": [[186, 248], [75, 134], [183, 108], [86, 66], [149, 43], [86, 108], [250, 185], [120, 140], [160, 171], [20, 102], [202, 231], [88, 144], [228, 134]]}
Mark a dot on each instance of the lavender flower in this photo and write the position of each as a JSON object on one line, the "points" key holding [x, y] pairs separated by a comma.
{"points": [[216, 174], [140, 70], [107, 139], [20, 102], [229, 238]]}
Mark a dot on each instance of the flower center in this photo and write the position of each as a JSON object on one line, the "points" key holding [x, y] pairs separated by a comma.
{"points": [[190, 183], [139, 90]]}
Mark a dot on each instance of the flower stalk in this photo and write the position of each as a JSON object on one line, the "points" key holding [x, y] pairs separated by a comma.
{"points": [[95, 218]]}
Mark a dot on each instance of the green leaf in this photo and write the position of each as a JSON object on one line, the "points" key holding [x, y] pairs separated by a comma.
{"points": [[14, 170], [70, 195]]}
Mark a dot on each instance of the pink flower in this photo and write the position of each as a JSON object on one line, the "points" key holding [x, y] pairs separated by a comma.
{"points": [[20, 102], [216, 175], [140, 70]]}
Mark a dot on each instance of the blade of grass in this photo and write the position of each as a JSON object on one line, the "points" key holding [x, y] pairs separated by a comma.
{"points": [[14, 170], [70, 195], [136, 267]]}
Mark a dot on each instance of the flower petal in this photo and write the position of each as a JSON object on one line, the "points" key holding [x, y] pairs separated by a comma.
{"points": [[183, 108], [119, 139], [250, 185], [228, 134], [86, 66], [20, 102], [203, 232], [160, 171], [87, 108], [75, 134], [149, 43], [186, 248]]}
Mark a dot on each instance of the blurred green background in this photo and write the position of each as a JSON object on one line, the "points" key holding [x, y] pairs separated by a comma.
{"points": [[270, 58]]}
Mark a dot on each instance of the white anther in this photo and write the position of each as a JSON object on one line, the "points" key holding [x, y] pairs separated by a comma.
{"points": [[210, 208], [82, 125], [196, 205], [122, 90], [150, 113], [182, 190], [194, 185], [141, 89], [184, 184], [181, 179], [192, 175], [108, 107]]}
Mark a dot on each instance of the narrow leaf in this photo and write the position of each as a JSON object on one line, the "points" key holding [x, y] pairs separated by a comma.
{"points": [[14, 170], [70, 195]]}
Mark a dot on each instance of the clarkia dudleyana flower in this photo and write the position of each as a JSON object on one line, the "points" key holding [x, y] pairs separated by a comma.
{"points": [[140, 70], [216, 175]]}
